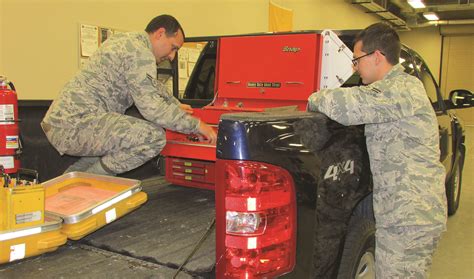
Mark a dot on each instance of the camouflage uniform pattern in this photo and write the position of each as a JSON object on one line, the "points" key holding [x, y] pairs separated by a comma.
{"points": [[87, 118], [406, 252], [409, 197]]}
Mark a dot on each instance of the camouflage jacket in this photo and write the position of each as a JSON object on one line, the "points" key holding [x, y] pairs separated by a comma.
{"points": [[402, 134], [121, 72]]}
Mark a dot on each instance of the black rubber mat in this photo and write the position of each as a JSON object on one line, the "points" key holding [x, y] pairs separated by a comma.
{"points": [[165, 229], [82, 261]]}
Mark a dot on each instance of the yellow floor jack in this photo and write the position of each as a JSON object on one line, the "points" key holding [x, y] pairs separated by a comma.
{"points": [[24, 230]]}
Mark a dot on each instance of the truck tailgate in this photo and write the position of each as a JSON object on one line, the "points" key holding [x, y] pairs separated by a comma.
{"points": [[155, 239]]}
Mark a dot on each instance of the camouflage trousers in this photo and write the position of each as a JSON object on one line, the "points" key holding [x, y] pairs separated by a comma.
{"points": [[123, 142], [405, 252]]}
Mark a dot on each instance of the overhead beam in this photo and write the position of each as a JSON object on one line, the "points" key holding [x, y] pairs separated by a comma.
{"points": [[447, 8], [375, 8]]}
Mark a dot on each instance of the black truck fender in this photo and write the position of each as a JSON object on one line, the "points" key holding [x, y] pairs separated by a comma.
{"points": [[331, 172]]}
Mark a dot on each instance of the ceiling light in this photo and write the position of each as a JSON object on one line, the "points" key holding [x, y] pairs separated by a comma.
{"points": [[430, 16], [416, 4]]}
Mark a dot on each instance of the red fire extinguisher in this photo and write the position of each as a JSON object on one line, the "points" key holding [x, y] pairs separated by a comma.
{"points": [[9, 131]]}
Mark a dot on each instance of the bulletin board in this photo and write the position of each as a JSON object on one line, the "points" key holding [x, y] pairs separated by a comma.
{"points": [[91, 37], [188, 55]]}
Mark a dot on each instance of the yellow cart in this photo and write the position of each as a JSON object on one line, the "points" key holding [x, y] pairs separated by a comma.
{"points": [[17, 244], [87, 202]]}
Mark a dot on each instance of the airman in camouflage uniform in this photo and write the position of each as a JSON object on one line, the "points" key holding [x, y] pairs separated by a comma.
{"points": [[402, 140], [87, 119]]}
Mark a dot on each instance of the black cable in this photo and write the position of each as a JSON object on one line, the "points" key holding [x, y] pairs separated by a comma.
{"points": [[198, 244]]}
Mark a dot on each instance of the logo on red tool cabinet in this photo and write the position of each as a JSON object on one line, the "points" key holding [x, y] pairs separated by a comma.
{"points": [[263, 84], [291, 49]]}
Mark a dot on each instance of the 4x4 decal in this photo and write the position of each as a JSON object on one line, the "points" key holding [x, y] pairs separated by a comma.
{"points": [[334, 171]]}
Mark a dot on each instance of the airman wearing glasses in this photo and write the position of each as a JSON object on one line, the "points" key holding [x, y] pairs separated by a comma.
{"points": [[401, 132]]}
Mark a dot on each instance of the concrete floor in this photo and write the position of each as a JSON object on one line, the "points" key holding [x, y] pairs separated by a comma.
{"points": [[455, 255]]}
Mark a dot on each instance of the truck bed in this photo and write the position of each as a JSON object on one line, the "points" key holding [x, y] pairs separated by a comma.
{"points": [[152, 241]]}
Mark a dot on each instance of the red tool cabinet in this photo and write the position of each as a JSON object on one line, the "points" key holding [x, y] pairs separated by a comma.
{"points": [[253, 72]]}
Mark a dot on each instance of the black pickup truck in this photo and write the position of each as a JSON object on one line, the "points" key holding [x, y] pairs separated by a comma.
{"points": [[323, 167], [323, 175], [294, 197]]}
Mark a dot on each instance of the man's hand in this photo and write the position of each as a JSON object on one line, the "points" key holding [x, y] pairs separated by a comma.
{"points": [[186, 108], [208, 132]]}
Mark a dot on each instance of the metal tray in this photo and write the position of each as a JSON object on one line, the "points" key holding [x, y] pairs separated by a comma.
{"points": [[51, 223], [132, 186]]}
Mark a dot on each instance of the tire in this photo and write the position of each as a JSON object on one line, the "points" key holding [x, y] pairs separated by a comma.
{"points": [[358, 256], [453, 189]]}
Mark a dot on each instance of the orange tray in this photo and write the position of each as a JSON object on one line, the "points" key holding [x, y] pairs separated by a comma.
{"points": [[87, 202]]}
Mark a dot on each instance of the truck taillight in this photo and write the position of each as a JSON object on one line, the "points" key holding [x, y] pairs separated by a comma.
{"points": [[245, 223], [260, 220]]}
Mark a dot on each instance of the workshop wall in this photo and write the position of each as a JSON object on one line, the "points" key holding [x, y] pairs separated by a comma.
{"points": [[42, 50], [39, 46], [427, 42], [1, 37], [458, 69], [327, 14]]}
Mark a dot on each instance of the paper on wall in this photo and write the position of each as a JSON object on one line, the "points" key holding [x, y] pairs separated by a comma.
{"points": [[193, 55], [183, 82], [183, 53], [183, 69], [190, 68], [89, 39]]}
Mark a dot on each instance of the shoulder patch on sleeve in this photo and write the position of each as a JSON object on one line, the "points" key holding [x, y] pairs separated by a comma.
{"points": [[153, 80], [159, 88]]}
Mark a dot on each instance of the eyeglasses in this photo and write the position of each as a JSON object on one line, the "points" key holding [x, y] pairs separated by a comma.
{"points": [[355, 61]]}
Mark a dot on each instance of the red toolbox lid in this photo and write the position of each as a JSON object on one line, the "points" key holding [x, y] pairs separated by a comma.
{"points": [[268, 71]]}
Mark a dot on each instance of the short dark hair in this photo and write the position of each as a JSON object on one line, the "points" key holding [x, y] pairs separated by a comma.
{"points": [[168, 22], [381, 36]]}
